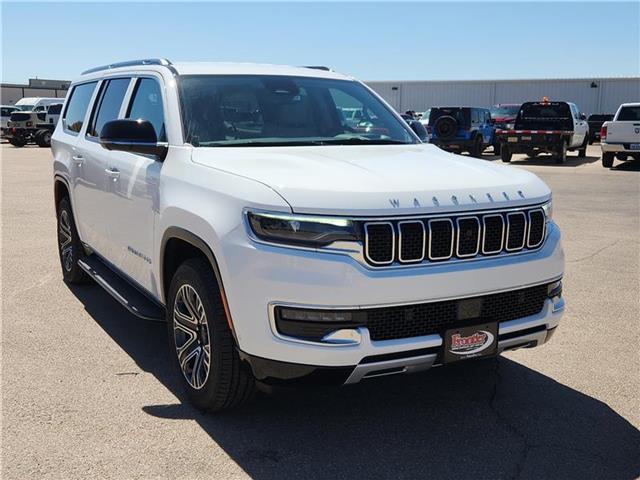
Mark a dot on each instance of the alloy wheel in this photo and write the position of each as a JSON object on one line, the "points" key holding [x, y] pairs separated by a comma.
{"points": [[65, 240], [191, 334]]}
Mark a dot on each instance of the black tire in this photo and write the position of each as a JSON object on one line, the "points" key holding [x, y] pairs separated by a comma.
{"points": [[607, 159], [227, 382], [505, 154], [477, 148], [43, 138], [582, 151], [18, 142], [70, 248], [561, 154], [496, 148]]}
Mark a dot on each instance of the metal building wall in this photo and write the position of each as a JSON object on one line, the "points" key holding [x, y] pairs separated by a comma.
{"points": [[604, 97]]}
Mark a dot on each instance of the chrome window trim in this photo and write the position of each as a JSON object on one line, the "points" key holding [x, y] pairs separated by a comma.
{"points": [[453, 237], [366, 242], [524, 233], [544, 227], [424, 241], [484, 233], [458, 254]]}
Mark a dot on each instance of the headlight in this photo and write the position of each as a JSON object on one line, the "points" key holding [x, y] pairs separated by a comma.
{"points": [[548, 210], [303, 230]]}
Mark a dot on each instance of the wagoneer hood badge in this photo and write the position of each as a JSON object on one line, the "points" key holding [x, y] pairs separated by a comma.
{"points": [[379, 180]]}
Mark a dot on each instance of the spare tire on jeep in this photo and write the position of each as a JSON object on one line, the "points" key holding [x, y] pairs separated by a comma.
{"points": [[446, 127]]}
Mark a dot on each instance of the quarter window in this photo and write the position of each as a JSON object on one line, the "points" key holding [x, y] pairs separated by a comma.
{"points": [[147, 105], [108, 106], [77, 106]]}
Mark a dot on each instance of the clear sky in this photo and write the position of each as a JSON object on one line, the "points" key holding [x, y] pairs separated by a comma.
{"points": [[372, 41]]}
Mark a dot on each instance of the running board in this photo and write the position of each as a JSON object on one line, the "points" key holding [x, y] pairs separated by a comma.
{"points": [[129, 297]]}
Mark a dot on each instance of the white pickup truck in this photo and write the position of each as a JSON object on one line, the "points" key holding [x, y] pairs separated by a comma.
{"points": [[621, 137]]}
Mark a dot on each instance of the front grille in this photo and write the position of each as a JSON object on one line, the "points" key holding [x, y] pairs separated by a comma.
{"points": [[464, 236], [433, 318]]}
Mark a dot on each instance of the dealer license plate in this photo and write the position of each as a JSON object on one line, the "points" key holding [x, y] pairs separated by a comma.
{"points": [[470, 342], [634, 146]]}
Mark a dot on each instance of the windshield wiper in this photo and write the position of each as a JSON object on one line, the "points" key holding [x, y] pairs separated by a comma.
{"points": [[258, 143], [360, 141]]}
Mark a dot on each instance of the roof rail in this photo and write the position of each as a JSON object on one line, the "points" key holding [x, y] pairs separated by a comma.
{"points": [[130, 63], [318, 67]]}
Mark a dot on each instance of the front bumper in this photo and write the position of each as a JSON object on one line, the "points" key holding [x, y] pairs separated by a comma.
{"points": [[268, 275], [527, 332]]}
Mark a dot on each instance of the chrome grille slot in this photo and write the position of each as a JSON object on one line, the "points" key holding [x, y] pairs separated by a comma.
{"points": [[536, 228], [516, 231], [492, 234], [380, 242], [440, 239], [411, 241], [468, 236]]}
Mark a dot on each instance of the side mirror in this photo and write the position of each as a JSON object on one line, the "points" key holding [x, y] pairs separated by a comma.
{"points": [[418, 129], [136, 136], [583, 116]]}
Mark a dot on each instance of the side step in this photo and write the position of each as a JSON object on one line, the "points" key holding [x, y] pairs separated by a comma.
{"points": [[129, 296]]}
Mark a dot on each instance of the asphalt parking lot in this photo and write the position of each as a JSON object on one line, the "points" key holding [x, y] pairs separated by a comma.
{"points": [[88, 392]]}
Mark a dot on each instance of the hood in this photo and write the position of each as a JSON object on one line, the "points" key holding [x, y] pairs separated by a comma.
{"points": [[378, 180]]}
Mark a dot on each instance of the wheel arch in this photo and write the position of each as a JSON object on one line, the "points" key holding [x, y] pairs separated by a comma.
{"points": [[60, 190], [178, 245]]}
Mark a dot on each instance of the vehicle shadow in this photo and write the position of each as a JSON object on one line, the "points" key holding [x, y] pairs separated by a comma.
{"points": [[488, 419], [628, 166], [549, 160]]}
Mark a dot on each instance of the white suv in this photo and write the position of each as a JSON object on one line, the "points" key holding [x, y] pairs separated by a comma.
{"points": [[283, 244]]}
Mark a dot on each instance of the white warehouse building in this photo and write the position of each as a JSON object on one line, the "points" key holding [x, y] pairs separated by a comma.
{"points": [[592, 95]]}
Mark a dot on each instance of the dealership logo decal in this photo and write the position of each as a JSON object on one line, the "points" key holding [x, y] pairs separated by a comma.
{"points": [[479, 341]]}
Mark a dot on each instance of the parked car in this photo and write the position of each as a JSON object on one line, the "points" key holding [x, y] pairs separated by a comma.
{"points": [[504, 114], [36, 104], [461, 129], [286, 248], [545, 127], [5, 114], [504, 117], [595, 122], [33, 126], [620, 138], [424, 120]]}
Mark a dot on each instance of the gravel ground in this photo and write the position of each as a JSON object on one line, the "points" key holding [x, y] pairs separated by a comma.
{"points": [[87, 389]]}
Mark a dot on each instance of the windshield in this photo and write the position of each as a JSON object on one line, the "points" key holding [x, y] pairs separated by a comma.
{"points": [[504, 111], [266, 110]]}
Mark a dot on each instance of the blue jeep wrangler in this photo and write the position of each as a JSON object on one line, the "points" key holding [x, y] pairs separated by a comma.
{"points": [[462, 129]]}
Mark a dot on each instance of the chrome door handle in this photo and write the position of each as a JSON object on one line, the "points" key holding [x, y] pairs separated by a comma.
{"points": [[112, 172], [79, 159]]}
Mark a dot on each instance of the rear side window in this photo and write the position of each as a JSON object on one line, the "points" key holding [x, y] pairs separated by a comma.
{"points": [[108, 104], [77, 106], [629, 114], [147, 105]]}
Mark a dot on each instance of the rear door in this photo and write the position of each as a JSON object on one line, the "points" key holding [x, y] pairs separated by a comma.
{"points": [[85, 179], [580, 127], [132, 198]]}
